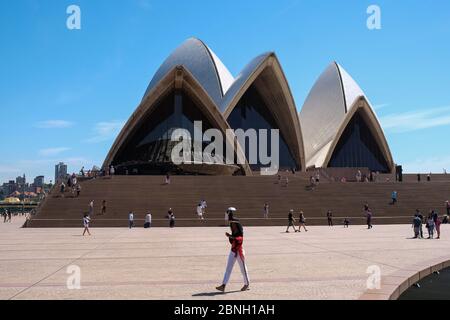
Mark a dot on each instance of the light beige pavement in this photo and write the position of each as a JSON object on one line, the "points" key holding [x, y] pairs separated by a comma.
{"points": [[187, 263]]}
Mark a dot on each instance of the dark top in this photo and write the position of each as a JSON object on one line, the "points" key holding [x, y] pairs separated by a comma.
{"points": [[417, 222], [290, 217], [239, 232]]}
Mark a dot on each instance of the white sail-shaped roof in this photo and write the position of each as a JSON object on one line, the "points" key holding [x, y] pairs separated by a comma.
{"points": [[327, 109], [204, 65]]}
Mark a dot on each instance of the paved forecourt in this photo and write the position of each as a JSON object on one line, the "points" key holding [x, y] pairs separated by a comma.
{"points": [[187, 263]]}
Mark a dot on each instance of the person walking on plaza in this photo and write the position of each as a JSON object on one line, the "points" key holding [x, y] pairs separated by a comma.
{"points": [[302, 222], [112, 171], [237, 253], [86, 222], [171, 219], [130, 219], [346, 223], [430, 226], [438, 223], [434, 215], [417, 225], [447, 207], [420, 215], [5, 215], [103, 207], [167, 180], [9, 216], [204, 206], [394, 197], [369, 215], [78, 190], [266, 211], [291, 221], [200, 212], [148, 220], [330, 218]]}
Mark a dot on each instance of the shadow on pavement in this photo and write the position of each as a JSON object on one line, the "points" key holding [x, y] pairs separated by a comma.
{"points": [[213, 294]]}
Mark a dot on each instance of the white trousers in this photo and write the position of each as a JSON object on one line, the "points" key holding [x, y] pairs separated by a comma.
{"points": [[231, 261]]}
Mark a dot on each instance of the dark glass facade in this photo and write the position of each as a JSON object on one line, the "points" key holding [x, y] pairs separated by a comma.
{"points": [[252, 113], [149, 148], [358, 148]]}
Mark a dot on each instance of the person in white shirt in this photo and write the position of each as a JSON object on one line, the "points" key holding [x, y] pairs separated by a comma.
{"points": [[86, 221], [91, 208], [204, 206], [148, 221], [200, 211], [266, 211], [130, 220]]}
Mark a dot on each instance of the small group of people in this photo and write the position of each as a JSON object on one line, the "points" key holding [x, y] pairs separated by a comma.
{"points": [[371, 177], [280, 180], [368, 214], [91, 173], [432, 223], [7, 216], [292, 220], [102, 210], [72, 184], [201, 210], [147, 220], [87, 217], [419, 177]]}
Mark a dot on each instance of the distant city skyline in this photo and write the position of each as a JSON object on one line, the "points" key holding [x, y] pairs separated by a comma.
{"points": [[67, 93]]}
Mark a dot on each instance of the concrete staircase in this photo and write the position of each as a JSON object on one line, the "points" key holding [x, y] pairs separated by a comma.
{"points": [[247, 194]]}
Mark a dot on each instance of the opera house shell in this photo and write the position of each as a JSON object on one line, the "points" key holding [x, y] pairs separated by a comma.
{"points": [[194, 85], [340, 128]]}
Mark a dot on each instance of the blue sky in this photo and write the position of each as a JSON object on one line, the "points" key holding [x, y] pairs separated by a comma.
{"points": [[64, 94]]}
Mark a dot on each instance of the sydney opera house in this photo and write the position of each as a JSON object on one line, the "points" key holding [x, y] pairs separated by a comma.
{"points": [[336, 128]]}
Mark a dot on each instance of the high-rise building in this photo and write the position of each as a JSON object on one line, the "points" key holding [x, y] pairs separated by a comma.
{"points": [[21, 183], [38, 182], [21, 180], [9, 187], [60, 171]]}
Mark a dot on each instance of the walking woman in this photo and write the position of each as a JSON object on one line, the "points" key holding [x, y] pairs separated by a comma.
{"points": [[438, 223], [430, 226], [86, 221], [302, 222]]}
